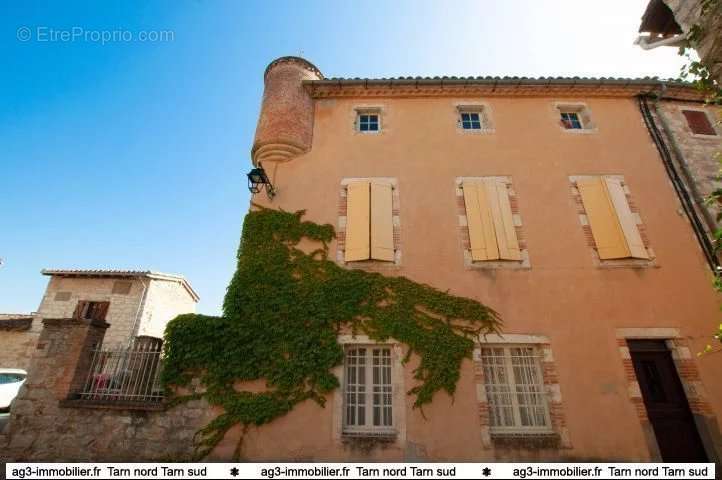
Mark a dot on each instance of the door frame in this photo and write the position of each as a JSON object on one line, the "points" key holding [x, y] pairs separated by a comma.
{"points": [[704, 419]]}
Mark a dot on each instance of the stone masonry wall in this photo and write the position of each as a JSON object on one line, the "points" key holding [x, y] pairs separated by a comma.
{"points": [[698, 151], [40, 429], [63, 294], [17, 345]]}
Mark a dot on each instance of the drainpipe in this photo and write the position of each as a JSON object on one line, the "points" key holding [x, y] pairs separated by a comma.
{"points": [[688, 203], [138, 313]]}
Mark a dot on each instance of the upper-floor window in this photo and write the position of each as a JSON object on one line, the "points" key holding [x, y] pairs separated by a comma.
{"points": [[369, 221], [571, 121], [489, 218], [515, 390], [87, 310], [368, 405], [368, 122], [613, 224], [575, 117], [471, 120], [698, 122]]}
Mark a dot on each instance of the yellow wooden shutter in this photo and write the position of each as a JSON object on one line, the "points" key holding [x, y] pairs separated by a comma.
{"points": [[626, 218], [607, 231], [480, 223], [498, 196], [357, 222], [382, 226]]}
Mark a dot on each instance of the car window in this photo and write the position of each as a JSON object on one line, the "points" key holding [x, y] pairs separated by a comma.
{"points": [[6, 378]]}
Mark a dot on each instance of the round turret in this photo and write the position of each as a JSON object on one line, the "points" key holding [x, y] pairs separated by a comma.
{"points": [[285, 124]]}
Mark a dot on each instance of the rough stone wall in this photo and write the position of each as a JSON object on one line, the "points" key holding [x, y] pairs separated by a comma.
{"points": [[697, 151], [40, 429], [17, 346], [121, 313], [165, 300], [687, 14]]}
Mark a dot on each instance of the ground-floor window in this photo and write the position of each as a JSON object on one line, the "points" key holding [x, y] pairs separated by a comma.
{"points": [[368, 390], [515, 390]]}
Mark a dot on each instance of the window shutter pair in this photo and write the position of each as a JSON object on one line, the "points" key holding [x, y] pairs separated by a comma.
{"points": [[86, 310], [489, 218], [613, 225], [369, 222]]}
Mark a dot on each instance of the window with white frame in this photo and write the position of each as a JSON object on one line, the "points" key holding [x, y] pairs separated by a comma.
{"points": [[368, 391], [515, 390], [571, 120], [368, 121], [470, 120]]}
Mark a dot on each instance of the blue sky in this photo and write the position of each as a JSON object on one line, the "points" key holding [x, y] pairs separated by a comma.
{"points": [[132, 154]]}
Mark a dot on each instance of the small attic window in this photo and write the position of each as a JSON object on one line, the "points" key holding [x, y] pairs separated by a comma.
{"points": [[575, 118], [368, 121], [698, 122], [471, 120]]}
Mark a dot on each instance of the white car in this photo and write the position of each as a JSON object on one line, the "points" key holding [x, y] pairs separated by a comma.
{"points": [[11, 379]]}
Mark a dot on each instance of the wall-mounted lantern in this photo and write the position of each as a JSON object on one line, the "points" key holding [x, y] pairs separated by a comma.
{"points": [[257, 179]]}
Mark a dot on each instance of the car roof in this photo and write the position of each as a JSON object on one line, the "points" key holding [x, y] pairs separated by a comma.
{"points": [[13, 370]]}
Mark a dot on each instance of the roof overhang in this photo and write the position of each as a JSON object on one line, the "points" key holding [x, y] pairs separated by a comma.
{"points": [[499, 86], [123, 274]]}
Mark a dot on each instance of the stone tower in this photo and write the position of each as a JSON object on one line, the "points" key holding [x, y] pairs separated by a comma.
{"points": [[285, 124]]}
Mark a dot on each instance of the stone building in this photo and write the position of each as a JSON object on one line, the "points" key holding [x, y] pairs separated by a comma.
{"points": [[18, 337], [141, 303], [550, 200], [670, 22]]}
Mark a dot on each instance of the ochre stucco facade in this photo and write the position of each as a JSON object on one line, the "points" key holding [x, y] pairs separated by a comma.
{"points": [[564, 296]]}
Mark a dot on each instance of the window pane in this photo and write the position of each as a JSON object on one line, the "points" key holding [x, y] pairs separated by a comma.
{"points": [[518, 401]]}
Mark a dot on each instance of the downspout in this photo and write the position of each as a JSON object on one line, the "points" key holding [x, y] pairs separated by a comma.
{"points": [[138, 313], [688, 204]]}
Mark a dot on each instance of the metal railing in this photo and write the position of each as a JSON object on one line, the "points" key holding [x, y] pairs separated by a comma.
{"points": [[125, 374]]}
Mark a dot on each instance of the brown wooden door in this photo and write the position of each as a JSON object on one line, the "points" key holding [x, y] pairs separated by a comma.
{"points": [[666, 402]]}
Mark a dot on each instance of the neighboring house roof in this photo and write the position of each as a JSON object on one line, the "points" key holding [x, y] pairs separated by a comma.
{"points": [[450, 85], [659, 19], [122, 274], [15, 321]]}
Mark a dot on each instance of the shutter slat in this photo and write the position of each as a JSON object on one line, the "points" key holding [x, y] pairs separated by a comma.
{"points": [[357, 222], [498, 196], [480, 223], [607, 231], [626, 218], [382, 226]]}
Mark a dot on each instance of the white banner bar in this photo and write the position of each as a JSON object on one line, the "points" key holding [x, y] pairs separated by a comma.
{"points": [[360, 470]]}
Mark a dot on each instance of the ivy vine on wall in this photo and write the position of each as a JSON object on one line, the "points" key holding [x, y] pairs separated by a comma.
{"points": [[281, 316]]}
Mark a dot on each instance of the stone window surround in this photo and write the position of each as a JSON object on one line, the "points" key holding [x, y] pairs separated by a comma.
{"points": [[712, 121], [688, 375], [582, 109], [373, 109], [341, 230], [524, 263], [584, 221], [551, 384], [398, 392], [474, 106]]}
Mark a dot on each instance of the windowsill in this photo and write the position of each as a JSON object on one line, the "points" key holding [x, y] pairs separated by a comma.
{"points": [[705, 136], [530, 440], [633, 263], [372, 132], [579, 131], [380, 435], [481, 131]]}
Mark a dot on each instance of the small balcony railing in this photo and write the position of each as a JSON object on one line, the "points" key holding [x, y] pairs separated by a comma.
{"points": [[125, 375]]}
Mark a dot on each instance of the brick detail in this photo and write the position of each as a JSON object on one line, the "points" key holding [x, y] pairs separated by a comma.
{"points": [[555, 404], [589, 236]]}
